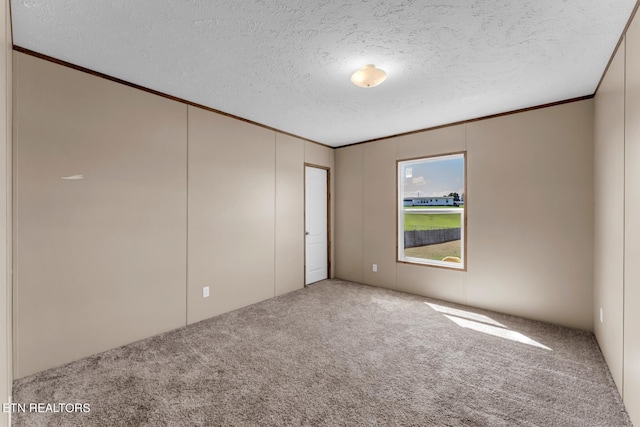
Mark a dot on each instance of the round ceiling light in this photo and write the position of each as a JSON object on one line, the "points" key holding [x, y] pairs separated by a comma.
{"points": [[368, 76]]}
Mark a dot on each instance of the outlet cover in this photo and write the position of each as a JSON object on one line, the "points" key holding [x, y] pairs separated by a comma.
{"points": [[205, 292], [375, 268]]}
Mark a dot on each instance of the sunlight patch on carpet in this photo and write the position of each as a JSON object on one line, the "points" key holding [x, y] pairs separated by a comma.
{"points": [[465, 314], [484, 324], [496, 331]]}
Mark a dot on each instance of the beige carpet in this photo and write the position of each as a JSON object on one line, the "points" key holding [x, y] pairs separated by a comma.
{"points": [[338, 353]]}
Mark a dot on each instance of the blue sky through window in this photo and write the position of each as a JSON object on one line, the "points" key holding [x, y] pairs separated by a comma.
{"points": [[437, 177]]}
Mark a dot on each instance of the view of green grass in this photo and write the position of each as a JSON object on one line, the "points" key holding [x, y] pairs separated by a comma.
{"points": [[430, 222]]}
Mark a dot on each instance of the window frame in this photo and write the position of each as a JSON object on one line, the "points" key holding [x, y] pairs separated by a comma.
{"points": [[400, 259]]}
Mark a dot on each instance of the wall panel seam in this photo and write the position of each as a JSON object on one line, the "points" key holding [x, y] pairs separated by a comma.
{"points": [[14, 230], [8, 205], [362, 230], [186, 259], [623, 43], [275, 211]]}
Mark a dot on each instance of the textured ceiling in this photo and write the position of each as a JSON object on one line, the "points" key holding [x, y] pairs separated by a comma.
{"points": [[286, 64]]}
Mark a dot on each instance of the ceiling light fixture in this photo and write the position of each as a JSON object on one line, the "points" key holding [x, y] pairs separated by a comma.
{"points": [[368, 76]]}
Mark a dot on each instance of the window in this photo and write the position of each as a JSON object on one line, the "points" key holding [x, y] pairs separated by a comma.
{"points": [[431, 211]]}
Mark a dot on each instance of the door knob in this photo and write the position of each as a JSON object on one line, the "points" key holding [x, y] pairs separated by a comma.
{"points": [[306, 233]]}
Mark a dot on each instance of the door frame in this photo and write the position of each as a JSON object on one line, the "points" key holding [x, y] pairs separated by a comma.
{"points": [[304, 210]]}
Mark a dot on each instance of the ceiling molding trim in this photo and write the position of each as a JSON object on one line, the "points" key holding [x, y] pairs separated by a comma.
{"points": [[624, 33], [155, 92], [193, 104], [492, 116]]}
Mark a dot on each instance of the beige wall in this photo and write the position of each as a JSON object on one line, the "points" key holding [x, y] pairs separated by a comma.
{"points": [[349, 213], [103, 261], [378, 244], [530, 221], [246, 212], [608, 267], [5, 210], [617, 213], [289, 273], [99, 262], [631, 392], [231, 214], [529, 247]]}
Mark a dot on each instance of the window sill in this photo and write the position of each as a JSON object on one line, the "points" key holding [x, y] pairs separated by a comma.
{"points": [[437, 264]]}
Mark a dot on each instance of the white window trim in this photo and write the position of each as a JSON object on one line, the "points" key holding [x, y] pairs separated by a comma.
{"points": [[401, 211]]}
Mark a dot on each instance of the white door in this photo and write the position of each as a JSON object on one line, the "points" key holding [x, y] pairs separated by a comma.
{"points": [[315, 220]]}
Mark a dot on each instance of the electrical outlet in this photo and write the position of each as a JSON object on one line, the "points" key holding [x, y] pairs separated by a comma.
{"points": [[601, 317], [375, 268], [205, 292]]}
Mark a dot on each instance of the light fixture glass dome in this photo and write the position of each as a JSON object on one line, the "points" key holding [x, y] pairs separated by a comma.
{"points": [[368, 76]]}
